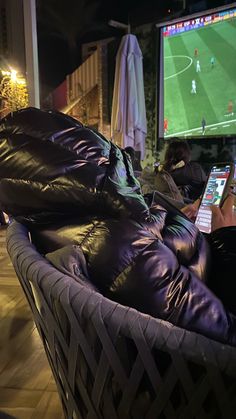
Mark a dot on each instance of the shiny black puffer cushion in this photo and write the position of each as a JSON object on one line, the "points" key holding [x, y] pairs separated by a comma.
{"points": [[52, 169], [58, 166], [158, 268]]}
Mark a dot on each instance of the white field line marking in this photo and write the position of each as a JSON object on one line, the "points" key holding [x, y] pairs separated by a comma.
{"points": [[181, 71], [199, 128]]}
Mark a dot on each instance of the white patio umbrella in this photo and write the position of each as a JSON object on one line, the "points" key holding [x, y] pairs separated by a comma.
{"points": [[128, 120]]}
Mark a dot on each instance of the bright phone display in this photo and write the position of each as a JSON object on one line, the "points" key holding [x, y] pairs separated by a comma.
{"points": [[215, 191]]}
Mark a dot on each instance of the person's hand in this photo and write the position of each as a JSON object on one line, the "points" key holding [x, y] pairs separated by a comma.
{"points": [[224, 216], [191, 210]]}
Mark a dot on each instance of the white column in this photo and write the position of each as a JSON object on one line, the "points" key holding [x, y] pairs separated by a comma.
{"points": [[31, 52]]}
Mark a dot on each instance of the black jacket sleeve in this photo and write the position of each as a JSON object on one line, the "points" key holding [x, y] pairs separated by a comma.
{"points": [[222, 278]]}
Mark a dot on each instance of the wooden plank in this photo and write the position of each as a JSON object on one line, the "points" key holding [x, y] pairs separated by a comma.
{"points": [[27, 387]]}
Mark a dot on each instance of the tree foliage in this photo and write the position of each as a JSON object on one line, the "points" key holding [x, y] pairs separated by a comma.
{"points": [[13, 93], [148, 48]]}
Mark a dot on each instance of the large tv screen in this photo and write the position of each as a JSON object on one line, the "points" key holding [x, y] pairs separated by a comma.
{"points": [[198, 75]]}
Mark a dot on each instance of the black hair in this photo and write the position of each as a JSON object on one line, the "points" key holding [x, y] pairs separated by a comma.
{"points": [[176, 151], [135, 158], [131, 152]]}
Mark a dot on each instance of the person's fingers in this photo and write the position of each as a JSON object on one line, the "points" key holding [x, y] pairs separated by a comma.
{"points": [[196, 203], [186, 208], [215, 210], [187, 211], [217, 218], [228, 204]]}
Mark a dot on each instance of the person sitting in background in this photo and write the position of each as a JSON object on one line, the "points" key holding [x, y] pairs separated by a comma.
{"points": [[135, 160], [152, 180], [147, 179], [187, 175], [165, 184], [155, 179]]}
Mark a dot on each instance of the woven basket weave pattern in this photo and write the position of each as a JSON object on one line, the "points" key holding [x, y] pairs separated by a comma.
{"points": [[110, 361]]}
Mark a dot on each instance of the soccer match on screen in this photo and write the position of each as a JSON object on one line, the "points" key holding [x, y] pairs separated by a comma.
{"points": [[200, 76]]}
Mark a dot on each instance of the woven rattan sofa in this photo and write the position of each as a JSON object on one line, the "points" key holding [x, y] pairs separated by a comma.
{"points": [[110, 361]]}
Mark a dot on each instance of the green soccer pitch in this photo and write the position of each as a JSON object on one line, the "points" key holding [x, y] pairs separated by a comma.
{"points": [[215, 84]]}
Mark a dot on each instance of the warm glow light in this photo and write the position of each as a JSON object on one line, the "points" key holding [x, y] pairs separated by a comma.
{"points": [[6, 73], [13, 75], [21, 81]]}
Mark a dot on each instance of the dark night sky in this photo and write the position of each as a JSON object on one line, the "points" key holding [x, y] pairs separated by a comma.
{"points": [[54, 58]]}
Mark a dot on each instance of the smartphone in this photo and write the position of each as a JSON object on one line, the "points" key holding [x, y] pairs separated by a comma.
{"points": [[216, 189], [234, 180]]}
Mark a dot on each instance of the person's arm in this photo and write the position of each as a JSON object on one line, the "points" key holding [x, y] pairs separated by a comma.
{"points": [[191, 210], [222, 242]]}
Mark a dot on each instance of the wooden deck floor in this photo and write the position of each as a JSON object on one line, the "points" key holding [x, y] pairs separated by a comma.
{"points": [[27, 388]]}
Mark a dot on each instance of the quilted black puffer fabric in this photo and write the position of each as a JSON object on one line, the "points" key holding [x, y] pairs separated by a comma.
{"points": [[68, 169], [72, 186]]}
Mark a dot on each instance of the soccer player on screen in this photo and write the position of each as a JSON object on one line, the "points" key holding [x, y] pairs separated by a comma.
{"points": [[203, 126], [194, 87], [198, 67], [230, 108], [165, 126]]}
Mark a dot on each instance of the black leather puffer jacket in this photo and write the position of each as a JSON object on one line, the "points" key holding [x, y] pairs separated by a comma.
{"points": [[71, 185]]}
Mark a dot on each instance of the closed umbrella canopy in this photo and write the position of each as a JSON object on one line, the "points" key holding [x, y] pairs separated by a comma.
{"points": [[128, 120]]}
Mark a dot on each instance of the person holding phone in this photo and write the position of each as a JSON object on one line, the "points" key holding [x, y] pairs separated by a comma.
{"points": [[216, 190], [222, 241], [221, 217]]}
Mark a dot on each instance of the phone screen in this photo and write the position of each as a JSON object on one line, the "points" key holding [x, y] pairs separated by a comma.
{"points": [[213, 194]]}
